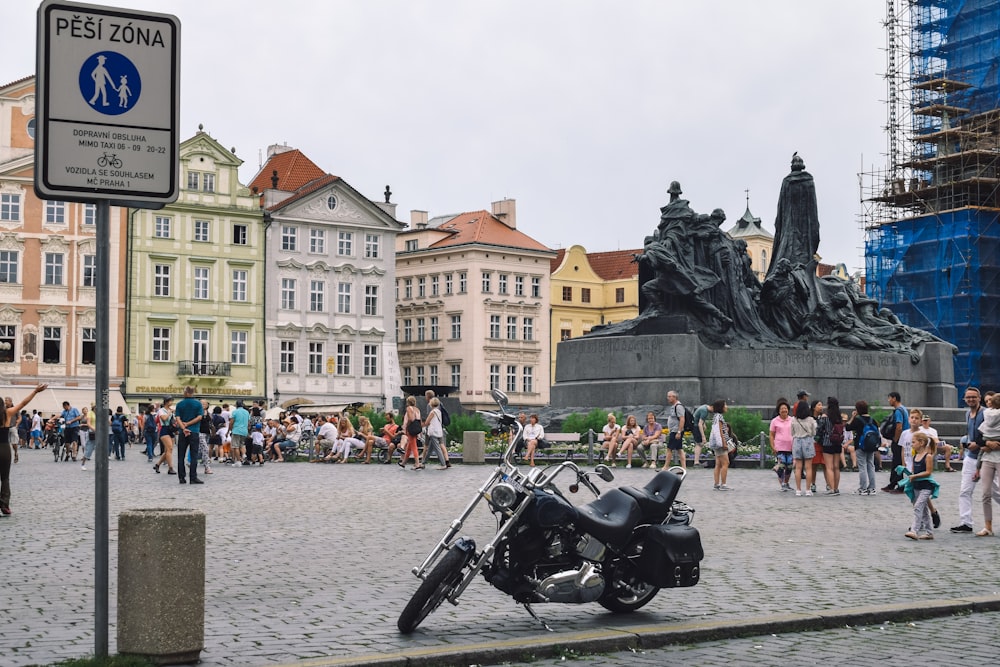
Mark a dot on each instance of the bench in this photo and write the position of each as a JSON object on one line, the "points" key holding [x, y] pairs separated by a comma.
{"points": [[564, 443]]}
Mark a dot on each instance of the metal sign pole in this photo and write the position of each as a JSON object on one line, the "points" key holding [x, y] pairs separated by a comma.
{"points": [[102, 425]]}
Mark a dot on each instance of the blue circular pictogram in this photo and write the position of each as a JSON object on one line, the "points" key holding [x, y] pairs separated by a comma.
{"points": [[110, 83]]}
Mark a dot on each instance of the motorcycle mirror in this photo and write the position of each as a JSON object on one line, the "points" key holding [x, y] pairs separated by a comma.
{"points": [[573, 488], [604, 472], [499, 397]]}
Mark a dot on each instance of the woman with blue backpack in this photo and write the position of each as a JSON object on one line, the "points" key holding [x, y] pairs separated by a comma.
{"points": [[867, 440]]}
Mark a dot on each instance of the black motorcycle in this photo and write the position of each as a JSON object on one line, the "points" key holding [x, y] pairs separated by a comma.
{"points": [[618, 550]]}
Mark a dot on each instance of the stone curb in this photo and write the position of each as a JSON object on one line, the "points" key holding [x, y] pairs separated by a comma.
{"points": [[654, 636]]}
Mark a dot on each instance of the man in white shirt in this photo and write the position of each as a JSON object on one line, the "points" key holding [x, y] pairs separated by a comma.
{"points": [[943, 448]]}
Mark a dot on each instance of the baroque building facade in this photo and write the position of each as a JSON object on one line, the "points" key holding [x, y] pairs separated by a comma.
{"points": [[196, 285], [472, 307], [329, 318], [48, 253]]}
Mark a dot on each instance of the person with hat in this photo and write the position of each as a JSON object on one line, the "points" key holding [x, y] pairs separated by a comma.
{"points": [[943, 448], [803, 395]]}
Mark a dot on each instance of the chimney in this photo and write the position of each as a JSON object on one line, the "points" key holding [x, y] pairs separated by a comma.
{"points": [[506, 211], [418, 219]]}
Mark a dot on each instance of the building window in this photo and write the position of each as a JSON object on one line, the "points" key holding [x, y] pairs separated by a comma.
{"points": [[317, 296], [567, 293], [371, 300], [407, 331], [527, 380], [529, 328], [619, 295], [88, 348], [55, 212], [343, 358], [289, 238], [52, 345], [54, 268], [463, 280], [317, 241], [8, 265], [161, 344], [208, 182], [238, 345], [331, 202], [585, 294], [369, 361], [494, 376], [447, 283], [8, 338], [373, 243], [421, 287], [511, 328], [161, 227], [239, 234], [456, 375], [421, 378], [193, 179], [288, 293], [407, 376], [286, 356], [518, 285], [411, 245], [408, 288], [201, 228], [239, 285], [201, 282], [763, 261], [565, 334], [494, 326], [434, 374], [511, 379], [486, 282], [456, 327], [344, 297], [536, 287], [89, 214], [161, 280], [434, 328], [421, 328], [345, 244], [434, 286], [502, 283], [315, 358], [10, 207]]}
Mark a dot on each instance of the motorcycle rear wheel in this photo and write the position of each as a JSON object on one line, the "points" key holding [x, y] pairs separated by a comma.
{"points": [[639, 593], [433, 590]]}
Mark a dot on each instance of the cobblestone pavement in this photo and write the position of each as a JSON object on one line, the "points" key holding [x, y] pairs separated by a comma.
{"points": [[310, 563], [966, 639]]}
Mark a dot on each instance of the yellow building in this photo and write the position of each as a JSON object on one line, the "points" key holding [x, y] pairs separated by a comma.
{"points": [[759, 242], [589, 289]]}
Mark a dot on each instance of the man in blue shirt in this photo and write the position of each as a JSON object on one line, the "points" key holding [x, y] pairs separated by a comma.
{"points": [[239, 432], [901, 419], [188, 414], [71, 427]]}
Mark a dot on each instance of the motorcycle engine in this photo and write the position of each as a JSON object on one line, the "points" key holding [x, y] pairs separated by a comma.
{"points": [[573, 586]]}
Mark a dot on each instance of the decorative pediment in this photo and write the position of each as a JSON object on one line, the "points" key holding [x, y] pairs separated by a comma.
{"points": [[9, 241], [52, 316], [290, 263], [288, 329], [318, 266], [373, 271], [87, 318], [54, 243], [10, 315], [345, 329], [330, 204], [320, 328]]}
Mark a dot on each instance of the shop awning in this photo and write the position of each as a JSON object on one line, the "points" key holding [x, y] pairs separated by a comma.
{"points": [[50, 401]]}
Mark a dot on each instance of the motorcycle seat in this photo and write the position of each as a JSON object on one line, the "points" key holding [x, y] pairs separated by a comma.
{"points": [[657, 497], [610, 518]]}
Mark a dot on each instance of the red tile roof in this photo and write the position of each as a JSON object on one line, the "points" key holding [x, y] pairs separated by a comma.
{"points": [[614, 265], [307, 189], [294, 170], [558, 259], [483, 227]]}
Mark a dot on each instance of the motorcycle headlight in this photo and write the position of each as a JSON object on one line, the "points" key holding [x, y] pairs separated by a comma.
{"points": [[503, 495]]}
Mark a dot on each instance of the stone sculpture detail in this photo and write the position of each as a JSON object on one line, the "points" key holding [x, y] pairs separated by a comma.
{"points": [[694, 278]]}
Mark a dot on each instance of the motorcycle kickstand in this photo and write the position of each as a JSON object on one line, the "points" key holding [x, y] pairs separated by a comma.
{"points": [[535, 616]]}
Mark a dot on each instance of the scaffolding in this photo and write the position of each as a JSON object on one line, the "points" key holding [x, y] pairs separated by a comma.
{"points": [[931, 217]]}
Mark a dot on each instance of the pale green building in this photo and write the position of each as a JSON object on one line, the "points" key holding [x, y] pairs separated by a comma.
{"points": [[196, 285]]}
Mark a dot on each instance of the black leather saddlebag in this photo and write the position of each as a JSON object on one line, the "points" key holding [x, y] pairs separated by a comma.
{"points": [[671, 556]]}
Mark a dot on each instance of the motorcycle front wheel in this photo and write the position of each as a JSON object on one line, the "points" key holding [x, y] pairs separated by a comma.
{"points": [[433, 590]]}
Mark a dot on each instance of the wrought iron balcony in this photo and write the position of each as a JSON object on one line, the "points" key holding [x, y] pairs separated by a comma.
{"points": [[219, 369]]}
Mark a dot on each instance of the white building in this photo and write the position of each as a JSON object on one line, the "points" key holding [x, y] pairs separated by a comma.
{"points": [[330, 269]]}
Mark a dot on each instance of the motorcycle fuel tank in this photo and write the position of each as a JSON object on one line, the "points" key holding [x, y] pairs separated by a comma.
{"points": [[550, 511]]}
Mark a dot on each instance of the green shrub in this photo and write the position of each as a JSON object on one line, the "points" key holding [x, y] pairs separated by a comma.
{"points": [[595, 419], [470, 421], [746, 424]]}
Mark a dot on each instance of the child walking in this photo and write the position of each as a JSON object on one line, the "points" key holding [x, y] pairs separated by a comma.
{"points": [[922, 487]]}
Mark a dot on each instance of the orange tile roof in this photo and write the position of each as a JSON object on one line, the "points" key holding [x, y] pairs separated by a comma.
{"points": [[294, 170], [483, 227], [306, 189], [558, 259], [614, 265]]}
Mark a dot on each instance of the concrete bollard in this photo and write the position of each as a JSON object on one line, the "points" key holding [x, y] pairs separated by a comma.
{"points": [[161, 584], [474, 447]]}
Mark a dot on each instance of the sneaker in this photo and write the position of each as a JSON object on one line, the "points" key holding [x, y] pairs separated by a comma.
{"points": [[836, 492], [910, 534], [783, 488], [936, 519], [716, 487], [872, 492], [861, 492], [964, 528], [830, 492], [723, 487], [809, 493], [798, 493], [812, 488], [628, 465], [83, 467], [925, 536]]}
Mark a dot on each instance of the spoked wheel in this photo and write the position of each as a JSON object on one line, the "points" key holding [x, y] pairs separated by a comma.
{"points": [[626, 592], [441, 581]]}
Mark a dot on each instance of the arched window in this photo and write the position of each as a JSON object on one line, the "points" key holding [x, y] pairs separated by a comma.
{"points": [[763, 261]]}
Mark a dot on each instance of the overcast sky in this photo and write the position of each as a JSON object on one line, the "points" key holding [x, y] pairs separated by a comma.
{"points": [[583, 111]]}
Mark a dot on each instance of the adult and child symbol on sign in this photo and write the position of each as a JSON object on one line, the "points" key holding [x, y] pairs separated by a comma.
{"points": [[102, 78]]}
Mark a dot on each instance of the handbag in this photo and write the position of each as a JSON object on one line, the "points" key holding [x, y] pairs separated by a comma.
{"points": [[413, 427]]}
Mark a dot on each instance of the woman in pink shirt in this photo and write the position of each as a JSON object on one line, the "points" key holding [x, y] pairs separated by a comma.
{"points": [[781, 444]]}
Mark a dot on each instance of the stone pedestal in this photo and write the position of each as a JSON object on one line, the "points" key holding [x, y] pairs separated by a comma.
{"points": [[161, 584], [639, 370], [474, 447]]}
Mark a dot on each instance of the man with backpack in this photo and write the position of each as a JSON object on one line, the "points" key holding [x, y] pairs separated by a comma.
{"points": [[867, 440], [892, 430], [678, 418], [119, 428]]}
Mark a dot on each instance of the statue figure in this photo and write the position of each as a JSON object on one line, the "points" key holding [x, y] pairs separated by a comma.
{"points": [[796, 226]]}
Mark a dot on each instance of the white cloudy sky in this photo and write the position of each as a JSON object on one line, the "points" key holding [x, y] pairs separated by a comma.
{"points": [[581, 110]]}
